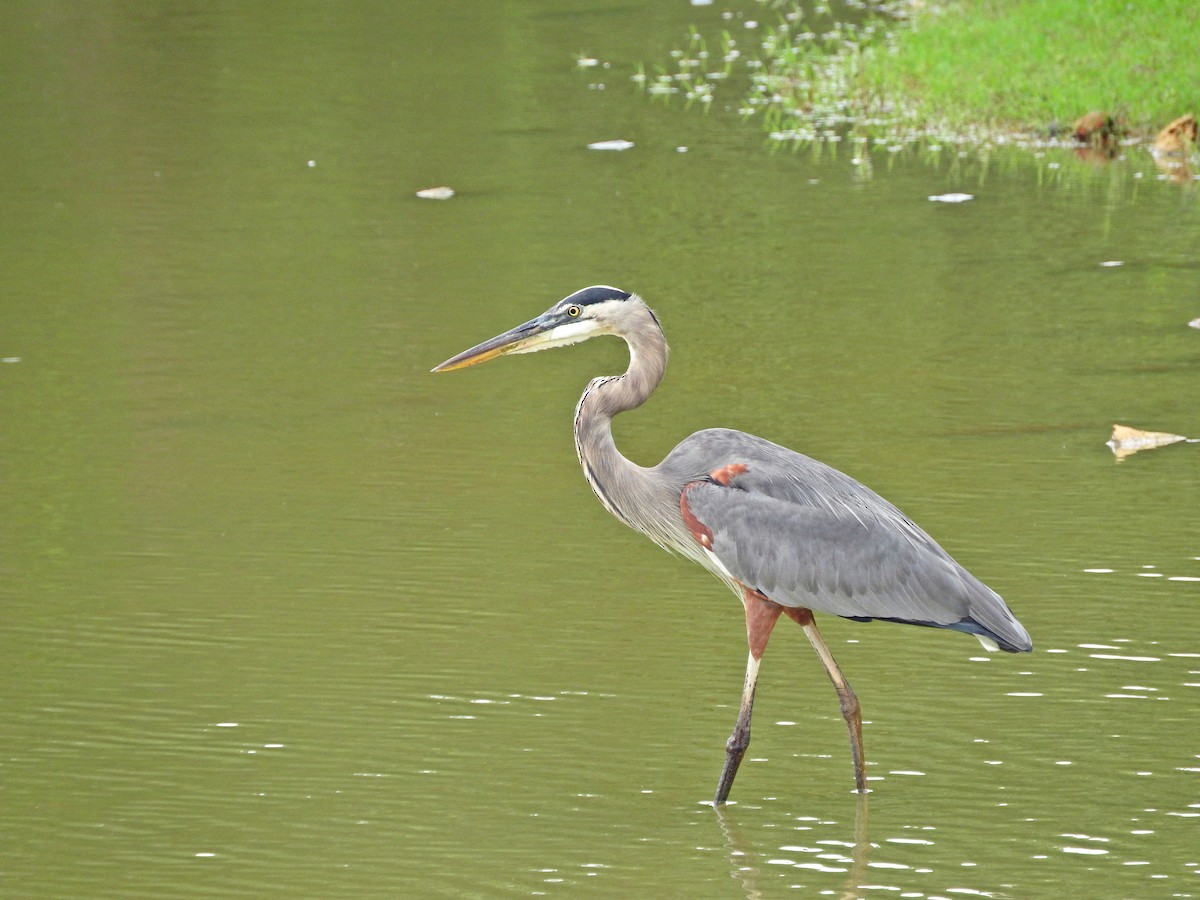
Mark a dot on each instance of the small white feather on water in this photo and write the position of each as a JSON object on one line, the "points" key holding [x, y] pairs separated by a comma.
{"points": [[610, 145], [951, 198]]}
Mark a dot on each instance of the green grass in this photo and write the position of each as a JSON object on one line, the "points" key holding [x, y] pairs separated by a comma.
{"points": [[1028, 63], [965, 71]]}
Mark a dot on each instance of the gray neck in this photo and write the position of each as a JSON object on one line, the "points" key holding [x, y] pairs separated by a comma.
{"points": [[627, 490]]}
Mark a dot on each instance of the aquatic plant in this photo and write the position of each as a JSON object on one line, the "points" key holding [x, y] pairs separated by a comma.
{"points": [[876, 75]]}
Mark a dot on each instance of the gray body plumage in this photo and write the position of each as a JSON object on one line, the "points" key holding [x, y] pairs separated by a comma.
{"points": [[797, 531], [832, 545]]}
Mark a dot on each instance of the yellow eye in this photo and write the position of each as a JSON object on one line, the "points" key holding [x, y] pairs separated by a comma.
{"points": [[573, 311]]}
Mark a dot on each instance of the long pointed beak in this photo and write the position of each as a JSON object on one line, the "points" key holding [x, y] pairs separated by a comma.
{"points": [[512, 341]]}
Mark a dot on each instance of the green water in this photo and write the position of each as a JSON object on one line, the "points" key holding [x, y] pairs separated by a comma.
{"points": [[286, 615]]}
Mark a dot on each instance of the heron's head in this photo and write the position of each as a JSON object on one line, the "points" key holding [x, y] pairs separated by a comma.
{"points": [[594, 310]]}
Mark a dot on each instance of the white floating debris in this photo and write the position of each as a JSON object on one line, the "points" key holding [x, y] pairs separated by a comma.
{"points": [[685, 149], [10, 359], [436, 193], [702, 2], [587, 62], [1195, 323], [610, 145], [951, 198], [1112, 263], [312, 163]]}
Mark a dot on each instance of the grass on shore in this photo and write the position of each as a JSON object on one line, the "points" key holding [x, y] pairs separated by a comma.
{"points": [[969, 71], [1030, 63]]}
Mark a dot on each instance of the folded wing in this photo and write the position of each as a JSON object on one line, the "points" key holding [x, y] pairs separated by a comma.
{"points": [[806, 535]]}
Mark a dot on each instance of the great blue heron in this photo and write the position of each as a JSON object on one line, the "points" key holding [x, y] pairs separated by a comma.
{"points": [[786, 533]]}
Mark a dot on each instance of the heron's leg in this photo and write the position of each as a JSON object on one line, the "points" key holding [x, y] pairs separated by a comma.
{"points": [[761, 615], [846, 695]]}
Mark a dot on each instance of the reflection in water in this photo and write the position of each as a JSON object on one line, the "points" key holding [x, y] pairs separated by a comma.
{"points": [[1114, 698], [756, 883]]}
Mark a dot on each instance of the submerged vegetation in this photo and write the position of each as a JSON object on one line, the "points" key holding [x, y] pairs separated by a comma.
{"points": [[978, 72]]}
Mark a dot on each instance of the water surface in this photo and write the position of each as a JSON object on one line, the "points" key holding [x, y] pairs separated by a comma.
{"points": [[286, 615]]}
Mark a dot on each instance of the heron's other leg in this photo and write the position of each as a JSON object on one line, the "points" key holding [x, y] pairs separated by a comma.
{"points": [[846, 695], [761, 615]]}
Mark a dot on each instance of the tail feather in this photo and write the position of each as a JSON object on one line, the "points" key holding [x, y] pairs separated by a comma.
{"points": [[1016, 641]]}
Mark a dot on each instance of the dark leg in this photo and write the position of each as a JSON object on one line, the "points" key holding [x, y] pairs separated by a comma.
{"points": [[846, 695], [761, 615]]}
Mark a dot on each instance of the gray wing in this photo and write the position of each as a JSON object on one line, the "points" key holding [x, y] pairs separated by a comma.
{"points": [[804, 534]]}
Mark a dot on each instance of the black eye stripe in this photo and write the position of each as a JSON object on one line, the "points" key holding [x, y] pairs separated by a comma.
{"points": [[596, 294]]}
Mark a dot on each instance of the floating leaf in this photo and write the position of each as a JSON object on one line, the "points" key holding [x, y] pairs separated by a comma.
{"points": [[1126, 441]]}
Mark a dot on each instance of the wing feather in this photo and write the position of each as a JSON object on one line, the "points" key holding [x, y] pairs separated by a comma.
{"points": [[806, 535]]}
